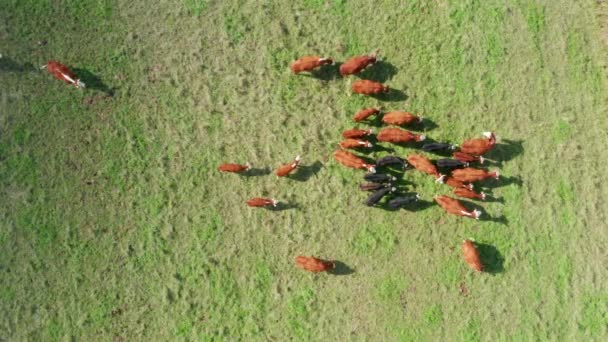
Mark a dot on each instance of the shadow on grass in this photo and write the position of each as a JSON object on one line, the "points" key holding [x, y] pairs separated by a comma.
{"points": [[93, 81], [393, 95], [381, 71], [491, 258], [502, 219], [283, 206], [304, 172], [341, 269], [501, 181], [10, 65], [505, 151], [414, 206], [254, 172]]}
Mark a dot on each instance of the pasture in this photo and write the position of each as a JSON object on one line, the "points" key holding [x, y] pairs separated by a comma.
{"points": [[116, 225]]}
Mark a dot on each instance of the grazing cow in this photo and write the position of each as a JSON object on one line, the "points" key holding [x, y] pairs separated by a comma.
{"points": [[309, 63], [357, 64], [451, 163], [430, 147], [401, 201], [379, 178], [400, 118], [468, 193], [398, 135], [286, 169], [377, 195], [469, 174], [355, 143], [388, 160], [367, 87], [454, 207], [61, 72], [262, 202], [450, 181], [365, 113], [371, 186], [465, 157], [422, 163], [313, 264], [478, 147], [229, 167], [356, 133], [471, 255], [350, 160]]}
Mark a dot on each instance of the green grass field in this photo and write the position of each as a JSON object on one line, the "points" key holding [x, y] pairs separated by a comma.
{"points": [[115, 224]]}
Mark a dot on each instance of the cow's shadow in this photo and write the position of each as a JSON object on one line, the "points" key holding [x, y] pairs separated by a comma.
{"points": [[501, 181], [281, 206], [393, 95], [502, 219], [504, 150], [491, 258], [93, 81], [381, 71], [10, 65], [305, 172], [341, 269], [255, 172]]}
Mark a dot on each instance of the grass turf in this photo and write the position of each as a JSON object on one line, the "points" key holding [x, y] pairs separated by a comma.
{"points": [[116, 225]]}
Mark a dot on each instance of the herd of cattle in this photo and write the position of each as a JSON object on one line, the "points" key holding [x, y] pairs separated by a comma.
{"points": [[461, 175]]}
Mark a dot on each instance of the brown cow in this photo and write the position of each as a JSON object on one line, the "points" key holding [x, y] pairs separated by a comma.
{"points": [[262, 202], [467, 158], [286, 169], [230, 167], [365, 113], [357, 64], [454, 207], [468, 193], [356, 133], [309, 63], [61, 72], [367, 87], [469, 174], [471, 255], [355, 143], [350, 160], [450, 181], [400, 118], [478, 147], [398, 135], [313, 264], [423, 164]]}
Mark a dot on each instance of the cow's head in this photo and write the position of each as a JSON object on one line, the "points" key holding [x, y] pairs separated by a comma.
{"points": [[420, 137]]}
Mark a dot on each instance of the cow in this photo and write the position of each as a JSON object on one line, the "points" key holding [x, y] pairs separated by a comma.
{"points": [[355, 143], [398, 135], [478, 147], [430, 147], [357, 64], [401, 201], [367, 87], [451, 163], [262, 202], [467, 158], [400, 118], [450, 181], [350, 160], [61, 72], [469, 174], [389, 160], [454, 207], [365, 113], [377, 195], [309, 63], [371, 186], [468, 193], [379, 178], [471, 255], [356, 133], [422, 164], [230, 167], [313, 264], [286, 169]]}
